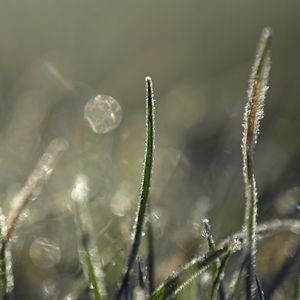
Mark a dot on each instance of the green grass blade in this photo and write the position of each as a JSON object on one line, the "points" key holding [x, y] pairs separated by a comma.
{"points": [[215, 264], [145, 187], [185, 274], [220, 272], [253, 114], [88, 253], [260, 292]]}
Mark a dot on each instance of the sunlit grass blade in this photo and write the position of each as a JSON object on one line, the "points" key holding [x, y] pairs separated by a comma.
{"points": [[88, 252], [260, 292], [253, 114], [145, 187], [265, 230], [33, 184], [30, 190], [220, 272], [6, 276], [187, 273], [215, 264]]}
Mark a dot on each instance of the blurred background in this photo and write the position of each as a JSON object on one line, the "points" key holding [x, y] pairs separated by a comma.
{"points": [[56, 56]]}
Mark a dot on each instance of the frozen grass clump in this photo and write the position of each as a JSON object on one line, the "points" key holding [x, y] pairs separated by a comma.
{"points": [[138, 280]]}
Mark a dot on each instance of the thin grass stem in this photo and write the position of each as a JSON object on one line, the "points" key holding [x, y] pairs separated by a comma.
{"points": [[220, 272], [260, 292], [215, 264]]}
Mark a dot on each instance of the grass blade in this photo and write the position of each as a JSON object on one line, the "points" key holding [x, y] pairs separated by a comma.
{"points": [[215, 264], [6, 276], [220, 272], [30, 190], [259, 289], [253, 114], [265, 230], [144, 193], [187, 273], [88, 253]]}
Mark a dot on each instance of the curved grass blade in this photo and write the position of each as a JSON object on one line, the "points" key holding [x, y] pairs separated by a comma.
{"points": [[187, 273], [30, 190], [260, 292], [253, 114], [88, 253], [215, 264], [144, 193], [184, 275], [220, 272], [265, 230]]}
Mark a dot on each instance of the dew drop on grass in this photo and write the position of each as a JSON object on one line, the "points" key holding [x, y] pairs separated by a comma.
{"points": [[103, 114], [44, 253]]}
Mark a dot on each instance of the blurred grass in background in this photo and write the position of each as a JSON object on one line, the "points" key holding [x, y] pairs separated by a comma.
{"points": [[55, 56]]}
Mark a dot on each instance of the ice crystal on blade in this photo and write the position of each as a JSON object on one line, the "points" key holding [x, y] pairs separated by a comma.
{"points": [[253, 114]]}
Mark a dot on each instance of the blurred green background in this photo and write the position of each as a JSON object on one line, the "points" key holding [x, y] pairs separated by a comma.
{"points": [[56, 55]]}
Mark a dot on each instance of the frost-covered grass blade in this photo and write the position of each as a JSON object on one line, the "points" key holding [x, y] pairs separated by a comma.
{"points": [[186, 274], [220, 272], [30, 190], [144, 193], [260, 292], [88, 252], [253, 114], [215, 264], [6, 276]]}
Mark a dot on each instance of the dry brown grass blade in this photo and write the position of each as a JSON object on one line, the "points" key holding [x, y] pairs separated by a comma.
{"points": [[253, 114]]}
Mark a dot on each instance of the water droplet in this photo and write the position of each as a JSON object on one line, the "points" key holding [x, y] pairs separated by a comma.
{"points": [[103, 114], [44, 253]]}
